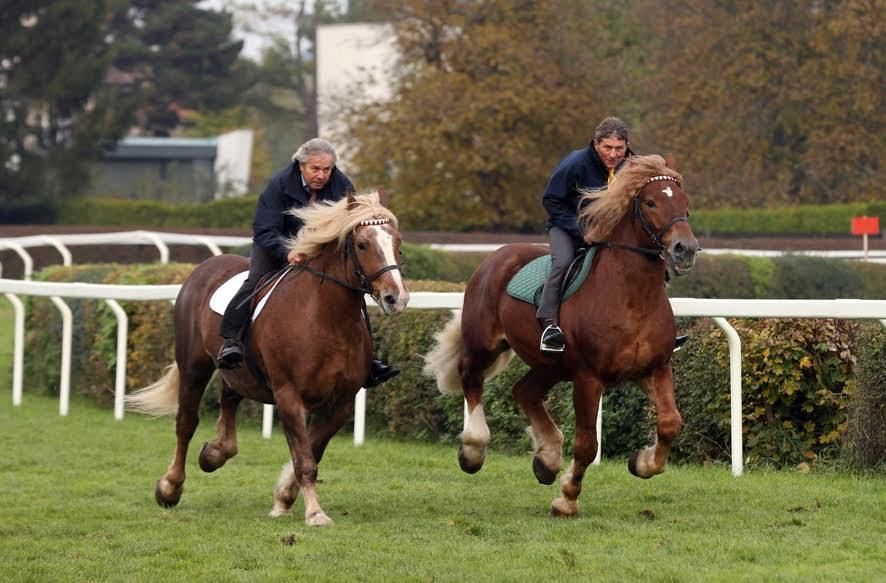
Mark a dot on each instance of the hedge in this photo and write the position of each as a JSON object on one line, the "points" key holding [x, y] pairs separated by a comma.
{"points": [[812, 388], [831, 219]]}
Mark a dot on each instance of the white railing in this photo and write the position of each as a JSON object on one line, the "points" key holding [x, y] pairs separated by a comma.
{"points": [[716, 309]]}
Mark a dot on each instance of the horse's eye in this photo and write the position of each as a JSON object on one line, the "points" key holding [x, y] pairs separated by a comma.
{"points": [[361, 246], [650, 203]]}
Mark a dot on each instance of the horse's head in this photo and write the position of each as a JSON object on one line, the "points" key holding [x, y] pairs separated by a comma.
{"points": [[662, 208], [375, 244], [649, 195]]}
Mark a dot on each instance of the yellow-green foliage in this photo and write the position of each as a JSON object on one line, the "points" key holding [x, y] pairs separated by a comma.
{"points": [[150, 338]]}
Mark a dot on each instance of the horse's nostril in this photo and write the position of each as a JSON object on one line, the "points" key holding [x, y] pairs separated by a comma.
{"points": [[390, 300], [679, 249]]}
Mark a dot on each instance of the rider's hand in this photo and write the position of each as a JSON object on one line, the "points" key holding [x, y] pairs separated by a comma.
{"points": [[294, 257]]}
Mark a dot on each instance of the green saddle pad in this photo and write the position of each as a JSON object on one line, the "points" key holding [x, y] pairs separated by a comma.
{"points": [[527, 284]]}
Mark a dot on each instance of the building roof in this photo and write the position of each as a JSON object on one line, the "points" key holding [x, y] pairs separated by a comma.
{"points": [[142, 148]]}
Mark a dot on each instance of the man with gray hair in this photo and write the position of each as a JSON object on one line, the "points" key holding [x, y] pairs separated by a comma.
{"points": [[311, 177]]}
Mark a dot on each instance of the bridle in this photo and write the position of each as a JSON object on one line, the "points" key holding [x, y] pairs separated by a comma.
{"points": [[349, 252], [637, 213]]}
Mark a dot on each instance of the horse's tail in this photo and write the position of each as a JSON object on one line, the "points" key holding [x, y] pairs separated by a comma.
{"points": [[159, 398], [443, 360]]}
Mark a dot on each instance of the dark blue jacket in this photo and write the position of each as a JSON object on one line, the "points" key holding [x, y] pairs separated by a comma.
{"points": [[579, 169], [271, 225]]}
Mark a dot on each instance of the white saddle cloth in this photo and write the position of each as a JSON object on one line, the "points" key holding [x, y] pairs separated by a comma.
{"points": [[225, 293]]}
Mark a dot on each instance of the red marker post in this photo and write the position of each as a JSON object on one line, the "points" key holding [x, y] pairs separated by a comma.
{"points": [[865, 226]]}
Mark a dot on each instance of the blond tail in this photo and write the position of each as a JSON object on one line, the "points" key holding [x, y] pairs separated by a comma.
{"points": [[443, 360], [159, 398]]}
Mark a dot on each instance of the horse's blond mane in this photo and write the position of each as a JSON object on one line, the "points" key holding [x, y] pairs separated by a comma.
{"points": [[611, 203], [333, 221]]}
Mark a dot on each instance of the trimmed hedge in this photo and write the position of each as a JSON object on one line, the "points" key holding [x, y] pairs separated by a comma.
{"points": [[809, 384], [238, 213]]}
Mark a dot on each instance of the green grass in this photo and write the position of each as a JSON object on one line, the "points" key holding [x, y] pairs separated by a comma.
{"points": [[76, 503]]}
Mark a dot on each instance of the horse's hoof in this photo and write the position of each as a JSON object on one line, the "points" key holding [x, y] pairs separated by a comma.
{"points": [[170, 499], [468, 466], [563, 508], [318, 519], [543, 474], [632, 466], [279, 510], [209, 462]]}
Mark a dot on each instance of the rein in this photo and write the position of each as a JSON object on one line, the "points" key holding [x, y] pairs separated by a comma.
{"points": [[647, 228]]}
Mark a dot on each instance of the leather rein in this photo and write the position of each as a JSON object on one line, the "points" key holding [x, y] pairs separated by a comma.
{"points": [[656, 238]]}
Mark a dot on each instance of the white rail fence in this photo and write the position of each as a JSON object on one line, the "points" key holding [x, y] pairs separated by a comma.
{"points": [[719, 310]]}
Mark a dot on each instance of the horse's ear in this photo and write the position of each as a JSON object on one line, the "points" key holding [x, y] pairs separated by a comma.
{"points": [[670, 162], [384, 198], [352, 200]]}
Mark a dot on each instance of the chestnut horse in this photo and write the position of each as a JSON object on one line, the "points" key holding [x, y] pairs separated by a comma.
{"points": [[310, 345], [619, 326]]}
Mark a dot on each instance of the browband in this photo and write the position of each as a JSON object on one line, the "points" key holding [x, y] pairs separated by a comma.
{"points": [[371, 222], [662, 177]]}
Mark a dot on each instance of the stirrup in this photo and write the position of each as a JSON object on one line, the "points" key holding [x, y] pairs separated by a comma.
{"points": [[552, 340], [679, 341]]}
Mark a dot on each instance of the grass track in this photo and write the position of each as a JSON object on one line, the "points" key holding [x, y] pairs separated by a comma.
{"points": [[76, 503]]}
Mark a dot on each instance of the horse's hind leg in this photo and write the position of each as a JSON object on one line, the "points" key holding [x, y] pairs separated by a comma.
{"points": [[192, 383], [323, 427], [547, 439], [218, 451], [586, 394], [475, 437], [651, 460]]}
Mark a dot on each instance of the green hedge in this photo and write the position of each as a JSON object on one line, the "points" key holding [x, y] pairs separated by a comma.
{"points": [[238, 212], [808, 384]]}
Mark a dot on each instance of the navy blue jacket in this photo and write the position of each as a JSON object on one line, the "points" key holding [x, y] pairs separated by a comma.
{"points": [[271, 225], [579, 169]]}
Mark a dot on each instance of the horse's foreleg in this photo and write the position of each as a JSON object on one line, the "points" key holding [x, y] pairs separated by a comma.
{"points": [[169, 488], [586, 394], [293, 415], [322, 430], [547, 439], [218, 451], [651, 460]]}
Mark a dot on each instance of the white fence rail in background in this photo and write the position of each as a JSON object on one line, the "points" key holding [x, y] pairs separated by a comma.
{"points": [[716, 309]]}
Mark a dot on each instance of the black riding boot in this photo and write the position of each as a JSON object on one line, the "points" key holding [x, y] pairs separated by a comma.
{"points": [[553, 340], [380, 372]]}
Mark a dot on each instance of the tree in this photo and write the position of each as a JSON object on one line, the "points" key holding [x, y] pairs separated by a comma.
{"points": [[487, 97], [55, 113], [778, 102], [180, 56]]}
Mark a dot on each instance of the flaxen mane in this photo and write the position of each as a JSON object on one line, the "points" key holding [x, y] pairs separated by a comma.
{"points": [[331, 221], [610, 204]]}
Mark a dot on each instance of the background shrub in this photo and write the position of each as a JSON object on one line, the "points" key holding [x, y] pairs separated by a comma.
{"points": [[865, 442]]}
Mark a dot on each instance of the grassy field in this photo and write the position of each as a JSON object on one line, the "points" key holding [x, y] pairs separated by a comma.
{"points": [[76, 504]]}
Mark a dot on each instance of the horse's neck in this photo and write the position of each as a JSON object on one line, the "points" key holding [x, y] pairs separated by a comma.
{"points": [[332, 270], [633, 265]]}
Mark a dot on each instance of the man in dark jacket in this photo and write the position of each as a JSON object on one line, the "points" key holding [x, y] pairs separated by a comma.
{"points": [[588, 168], [311, 177]]}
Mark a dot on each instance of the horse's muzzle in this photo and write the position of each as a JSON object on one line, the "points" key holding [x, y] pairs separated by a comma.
{"points": [[393, 300], [681, 255]]}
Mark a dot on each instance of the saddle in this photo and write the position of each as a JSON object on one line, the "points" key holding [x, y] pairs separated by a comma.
{"points": [[527, 284]]}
